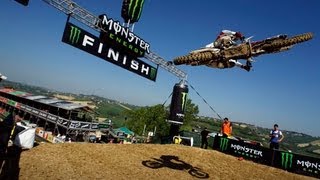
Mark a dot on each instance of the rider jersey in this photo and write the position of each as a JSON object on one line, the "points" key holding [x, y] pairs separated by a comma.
{"points": [[275, 135], [226, 128], [226, 33]]}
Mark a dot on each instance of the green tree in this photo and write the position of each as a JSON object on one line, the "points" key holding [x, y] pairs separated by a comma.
{"points": [[154, 116], [191, 112]]}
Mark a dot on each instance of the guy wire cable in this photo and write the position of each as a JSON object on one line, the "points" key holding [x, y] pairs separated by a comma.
{"points": [[167, 99], [204, 100]]}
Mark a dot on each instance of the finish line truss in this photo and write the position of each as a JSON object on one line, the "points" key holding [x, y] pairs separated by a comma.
{"points": [[75, 11]]}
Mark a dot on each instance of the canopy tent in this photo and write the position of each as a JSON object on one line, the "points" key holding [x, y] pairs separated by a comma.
{"points": [[125, 130]]}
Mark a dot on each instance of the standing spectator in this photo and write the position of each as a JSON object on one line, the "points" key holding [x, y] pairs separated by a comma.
{"points": [[226, 128], [276, 137], [204, 138]]}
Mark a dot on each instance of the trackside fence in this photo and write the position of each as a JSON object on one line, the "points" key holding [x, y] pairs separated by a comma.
{"points": [[289, 161]]}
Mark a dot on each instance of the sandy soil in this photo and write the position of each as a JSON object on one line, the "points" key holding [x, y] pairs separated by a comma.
{"points": [[139, 161]]}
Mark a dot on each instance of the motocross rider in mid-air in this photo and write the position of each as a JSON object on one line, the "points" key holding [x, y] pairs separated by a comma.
{"points": [[225, 40]]}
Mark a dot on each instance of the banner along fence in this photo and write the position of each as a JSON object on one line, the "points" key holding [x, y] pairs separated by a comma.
{"points": [[289, 161]]}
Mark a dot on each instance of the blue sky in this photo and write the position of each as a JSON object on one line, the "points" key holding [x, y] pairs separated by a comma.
{"points": [[283, 88]]}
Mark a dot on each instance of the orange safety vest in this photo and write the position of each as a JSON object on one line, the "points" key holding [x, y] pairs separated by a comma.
{"points": [[226, 128]]}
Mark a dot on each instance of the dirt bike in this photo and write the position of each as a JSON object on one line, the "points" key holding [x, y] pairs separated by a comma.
{"points": [[212, 56]]}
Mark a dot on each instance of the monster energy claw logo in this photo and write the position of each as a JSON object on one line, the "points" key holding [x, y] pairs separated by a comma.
{"points": [[153, 73], [286, 160], [184, 98], [135, 9], [223, 144], [74, 34]]}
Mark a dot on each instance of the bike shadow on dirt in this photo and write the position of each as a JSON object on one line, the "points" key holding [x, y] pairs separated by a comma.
{"points": [[173, 162]]}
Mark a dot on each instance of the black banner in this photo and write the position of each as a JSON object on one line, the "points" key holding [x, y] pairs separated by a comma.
{"points": [[89, 43], [297, 163], [289, 161], [178, 103], [242, 149]]}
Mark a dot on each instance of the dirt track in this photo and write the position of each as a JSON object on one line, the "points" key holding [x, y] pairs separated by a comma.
{"points": [[138, 161]]}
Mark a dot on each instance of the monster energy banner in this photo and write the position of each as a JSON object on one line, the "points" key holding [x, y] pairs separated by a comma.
{"points": [[178, 103], [121, 37], [297, 163], [240, 148], [85, 41]]}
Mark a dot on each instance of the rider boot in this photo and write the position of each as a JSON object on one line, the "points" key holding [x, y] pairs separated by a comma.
{"points": [[248, 64], [282, 36], [247, 68]]}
